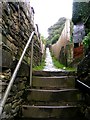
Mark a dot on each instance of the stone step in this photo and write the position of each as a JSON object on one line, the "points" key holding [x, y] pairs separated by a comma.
{"points": [[54, 82], [54, 73], [61, 112], [62, 96], [75, 118], [60, 103]]}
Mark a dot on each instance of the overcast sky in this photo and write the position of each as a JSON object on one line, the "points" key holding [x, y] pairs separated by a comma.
{"points": [[47, 12]]}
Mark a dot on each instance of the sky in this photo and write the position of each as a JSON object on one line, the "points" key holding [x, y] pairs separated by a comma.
{"points": [[47, 12]]}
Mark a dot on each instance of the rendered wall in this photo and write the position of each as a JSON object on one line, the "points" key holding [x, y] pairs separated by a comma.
{"points": [[61, 44]]}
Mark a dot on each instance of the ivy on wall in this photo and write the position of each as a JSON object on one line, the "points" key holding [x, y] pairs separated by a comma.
{"points": [[81, 11]]}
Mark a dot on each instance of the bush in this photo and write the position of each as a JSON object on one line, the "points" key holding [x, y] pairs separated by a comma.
{"points": [[86, 42], [55, 38]]}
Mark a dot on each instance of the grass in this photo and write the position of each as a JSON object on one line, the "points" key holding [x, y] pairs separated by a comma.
{"points": [[57, 64], [41, 66]]}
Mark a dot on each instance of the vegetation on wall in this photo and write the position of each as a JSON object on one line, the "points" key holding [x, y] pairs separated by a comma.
{"points": [[81, 13], [80, 9], [59, 65], [86, 43], [55, 31]]}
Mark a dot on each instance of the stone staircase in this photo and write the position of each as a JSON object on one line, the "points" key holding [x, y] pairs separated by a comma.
{"points": [[52, 96]]}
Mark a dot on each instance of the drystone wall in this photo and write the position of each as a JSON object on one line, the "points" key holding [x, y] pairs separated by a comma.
{"points": [[16, 27]]}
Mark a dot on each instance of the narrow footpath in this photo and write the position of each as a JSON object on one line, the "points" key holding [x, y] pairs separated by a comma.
{"points": [[49, 66], [53, 95]]}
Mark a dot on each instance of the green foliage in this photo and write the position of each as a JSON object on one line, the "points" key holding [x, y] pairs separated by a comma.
{"points": [[57, 64], [81, 11], [41, 66], [55, 31], [55, 38], [48, 42], [86, 41], [43, 39]]}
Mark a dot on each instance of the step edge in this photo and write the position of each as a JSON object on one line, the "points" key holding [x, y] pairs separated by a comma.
{"points": [[51, 107], [53, 77], [51, 90]]}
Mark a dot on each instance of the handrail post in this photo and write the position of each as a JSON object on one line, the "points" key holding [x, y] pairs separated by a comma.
{"points": [[31, 63]]}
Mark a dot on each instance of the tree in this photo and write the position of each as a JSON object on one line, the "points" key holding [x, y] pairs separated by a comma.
{"points": [[55, 31], [43, 39], [80, 9]]}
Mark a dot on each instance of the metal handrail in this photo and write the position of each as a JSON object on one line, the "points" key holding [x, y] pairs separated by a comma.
{"points": [[16, 70], [83, 87]]}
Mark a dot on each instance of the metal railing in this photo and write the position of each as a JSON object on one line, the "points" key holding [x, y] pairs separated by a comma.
{"points": [[16, 70], [83, 87]]}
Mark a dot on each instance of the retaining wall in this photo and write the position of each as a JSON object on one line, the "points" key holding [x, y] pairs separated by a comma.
{"points": [[16, 25]]}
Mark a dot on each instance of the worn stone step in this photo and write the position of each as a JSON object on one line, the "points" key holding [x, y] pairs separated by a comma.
{"points": [[60, 103], [54, 73], [62, 112], [55, 81], [75, 118], [66, 95]]}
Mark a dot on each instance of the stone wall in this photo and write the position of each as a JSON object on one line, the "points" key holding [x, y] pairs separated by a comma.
{"points": [[16, 25]]}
